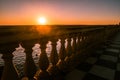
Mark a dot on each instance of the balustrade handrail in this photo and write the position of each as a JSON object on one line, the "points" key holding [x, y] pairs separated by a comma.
{"points": [[85, 39]]}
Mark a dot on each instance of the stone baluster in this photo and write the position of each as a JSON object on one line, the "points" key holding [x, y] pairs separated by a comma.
{"points": [[62, 54], [99, 40], [82, 41], [43, 61], [53, 69], [29, 66], [78, 43], [74, 44], [9, 71], [105, 35], [95, 38], [90, 38], [102, 36], [86, 38], [69, 47]]}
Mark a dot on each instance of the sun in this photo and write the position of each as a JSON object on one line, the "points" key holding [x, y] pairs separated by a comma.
{"points": [[42, 21]]}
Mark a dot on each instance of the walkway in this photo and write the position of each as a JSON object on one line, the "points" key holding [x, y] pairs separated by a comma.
{"points": [[103, 65]]}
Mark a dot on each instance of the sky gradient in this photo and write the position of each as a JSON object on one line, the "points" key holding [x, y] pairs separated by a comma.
{"points": [[26, 12]]}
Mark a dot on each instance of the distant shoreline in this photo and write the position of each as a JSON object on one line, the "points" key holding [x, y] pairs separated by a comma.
{"points": [[65, 25]]}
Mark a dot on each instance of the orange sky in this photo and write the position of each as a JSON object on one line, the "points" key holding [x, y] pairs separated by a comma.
{"points": [[24, 12]]}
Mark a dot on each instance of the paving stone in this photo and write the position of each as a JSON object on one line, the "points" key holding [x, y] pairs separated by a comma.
{"points": [[108, 57], [118, 66], [75, 75], [113, 50], [91, 60], [104, 72]]}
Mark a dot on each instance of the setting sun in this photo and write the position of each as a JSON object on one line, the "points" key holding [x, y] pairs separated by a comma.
{"points": [[42, 21]]}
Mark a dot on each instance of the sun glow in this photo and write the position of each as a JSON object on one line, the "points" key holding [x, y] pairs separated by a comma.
{"points": [[42, 21], [42, 29]]}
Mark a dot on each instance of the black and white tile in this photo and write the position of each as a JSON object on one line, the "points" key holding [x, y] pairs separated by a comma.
{"points": [[104, 64]]}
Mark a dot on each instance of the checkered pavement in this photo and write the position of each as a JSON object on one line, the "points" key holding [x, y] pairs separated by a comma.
{"points": [[103, 65]]}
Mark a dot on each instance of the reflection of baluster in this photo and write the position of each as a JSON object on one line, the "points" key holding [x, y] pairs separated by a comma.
{"points": [[29, 66], [9, 71], [43, 61], [62, 55], [54, 59], [74, 44]]}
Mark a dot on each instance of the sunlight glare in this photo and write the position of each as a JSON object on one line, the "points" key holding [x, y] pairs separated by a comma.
{"points": [[42, 29], [42, 21]]}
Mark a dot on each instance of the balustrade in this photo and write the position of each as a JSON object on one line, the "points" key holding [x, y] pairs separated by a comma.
{"points": [[85, 40]]}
